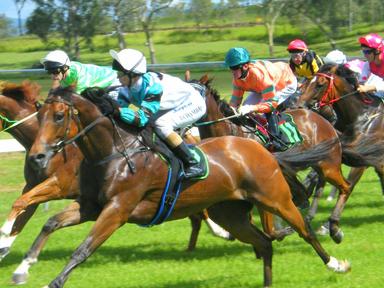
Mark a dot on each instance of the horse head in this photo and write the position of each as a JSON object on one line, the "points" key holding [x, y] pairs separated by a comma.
{"points": [[17, 104]]}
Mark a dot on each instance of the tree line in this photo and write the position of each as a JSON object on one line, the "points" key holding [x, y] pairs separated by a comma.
{"points": [[75, 21]]}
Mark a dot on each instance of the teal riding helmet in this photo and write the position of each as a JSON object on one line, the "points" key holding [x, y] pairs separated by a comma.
{"points": [[237, 56]]}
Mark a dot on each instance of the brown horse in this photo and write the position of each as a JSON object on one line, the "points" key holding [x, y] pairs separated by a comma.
{"points": [[359, 118], [314, 129], [113, 192], [20, 102]]}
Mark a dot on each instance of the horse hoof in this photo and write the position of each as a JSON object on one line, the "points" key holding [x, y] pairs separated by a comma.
{"points": [[330, 198], [338, 266], [4, 252], [322, 231], [19, 279], [338, 236]]}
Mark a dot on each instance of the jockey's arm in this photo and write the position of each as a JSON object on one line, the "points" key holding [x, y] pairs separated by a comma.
{"points": [[141, 116]]}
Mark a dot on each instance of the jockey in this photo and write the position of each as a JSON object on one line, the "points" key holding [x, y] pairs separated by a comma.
{"points": [[171, 102], [372, 47], [66, 73], [303, 62], [270, 85]]}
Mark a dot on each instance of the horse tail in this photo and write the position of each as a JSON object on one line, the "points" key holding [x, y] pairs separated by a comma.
{"points": [[300, 159], [367, 151], [298, 190]]}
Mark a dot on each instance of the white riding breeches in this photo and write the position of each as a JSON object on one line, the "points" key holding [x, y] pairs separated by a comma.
{"points": [[191, 110]]}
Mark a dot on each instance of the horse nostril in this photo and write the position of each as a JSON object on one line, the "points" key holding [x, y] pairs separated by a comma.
{"points": [[38, 160]]}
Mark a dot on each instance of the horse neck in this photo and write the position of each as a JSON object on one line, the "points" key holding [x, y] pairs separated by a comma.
{"points": [[26, 132], [348, 111], [102, 140], [213, 113]]}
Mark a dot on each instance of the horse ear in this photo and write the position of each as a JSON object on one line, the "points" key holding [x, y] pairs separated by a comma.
{"points": [[31, 90], [204, 79]]}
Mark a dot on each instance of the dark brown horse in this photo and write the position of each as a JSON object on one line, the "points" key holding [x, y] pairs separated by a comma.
{"points": [[314, 129], [19, 102], [113, 194], [359, 118]]}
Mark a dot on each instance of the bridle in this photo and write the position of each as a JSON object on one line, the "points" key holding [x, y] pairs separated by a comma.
{"points": [[326, 99], [65, 140]]}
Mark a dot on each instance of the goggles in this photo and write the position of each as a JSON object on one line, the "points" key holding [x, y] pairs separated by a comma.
{"points": [[237, 67], [367, 51], [55, 71], [296, 52]]}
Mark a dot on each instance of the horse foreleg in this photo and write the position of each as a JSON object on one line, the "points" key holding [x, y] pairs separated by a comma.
{"points": [[70, 216], [196, 220], [49, 189], [316, 198], [12, 228], [111, 218]]}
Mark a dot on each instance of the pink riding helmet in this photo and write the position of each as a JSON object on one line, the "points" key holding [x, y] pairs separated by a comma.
{"points": [[372, 40]]}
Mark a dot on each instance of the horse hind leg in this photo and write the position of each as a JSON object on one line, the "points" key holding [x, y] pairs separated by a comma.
{"points": [[234, 217], [291, 214]]}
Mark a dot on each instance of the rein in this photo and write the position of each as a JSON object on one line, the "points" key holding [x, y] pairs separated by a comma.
{"points": [[216, 121], [57, 147], [14, 123], [324, 99]]}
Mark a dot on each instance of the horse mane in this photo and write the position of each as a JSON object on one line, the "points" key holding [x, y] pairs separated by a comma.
{"points": [[341, 71], [27, 90]]}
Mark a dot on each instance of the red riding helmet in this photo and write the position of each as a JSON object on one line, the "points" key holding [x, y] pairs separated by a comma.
{"points": [[372, 40], [297, 44]]}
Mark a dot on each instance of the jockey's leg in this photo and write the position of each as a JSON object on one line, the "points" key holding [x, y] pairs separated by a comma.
{"points": [[192, 167]]}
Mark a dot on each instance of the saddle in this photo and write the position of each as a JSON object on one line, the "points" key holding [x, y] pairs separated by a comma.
{"points": [[288, 135], [175, 173]]}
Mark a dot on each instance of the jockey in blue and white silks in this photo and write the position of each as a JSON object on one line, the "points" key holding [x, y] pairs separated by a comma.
{"points": [[171, 102]]}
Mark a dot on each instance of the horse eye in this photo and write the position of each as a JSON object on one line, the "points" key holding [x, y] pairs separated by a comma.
{"points": [[59, 117]]}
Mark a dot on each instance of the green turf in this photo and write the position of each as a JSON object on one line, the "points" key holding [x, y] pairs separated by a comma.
{"points": [[151, 258]]}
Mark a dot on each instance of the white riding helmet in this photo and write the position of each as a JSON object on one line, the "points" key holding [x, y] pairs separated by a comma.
{"points": [[336, 57], [55, 59], [131, 60]]}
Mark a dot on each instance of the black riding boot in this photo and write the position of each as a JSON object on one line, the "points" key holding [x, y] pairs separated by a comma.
{"points": [[273, 129], [192, 168]]}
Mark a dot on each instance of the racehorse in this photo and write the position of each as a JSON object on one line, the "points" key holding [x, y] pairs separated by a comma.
{"points": [[359, 118], [18, 108], [314, 129], [61, 181], [116, 189]]}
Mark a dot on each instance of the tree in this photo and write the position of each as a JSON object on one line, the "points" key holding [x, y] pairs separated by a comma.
{"points": [[4, 26], [146, 13], [272, 10], [40, 23], [200, 10], [19, 6]]}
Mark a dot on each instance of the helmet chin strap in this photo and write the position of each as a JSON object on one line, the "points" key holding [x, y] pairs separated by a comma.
{"points": [[244, 73]]}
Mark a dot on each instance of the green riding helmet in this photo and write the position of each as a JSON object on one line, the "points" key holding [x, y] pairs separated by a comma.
{"points": [[237, 56]]}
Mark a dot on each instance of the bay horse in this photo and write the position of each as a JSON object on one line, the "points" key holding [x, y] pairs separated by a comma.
{"points": [[20, 101], [116, 190], [359, 119], [314, 130]]}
